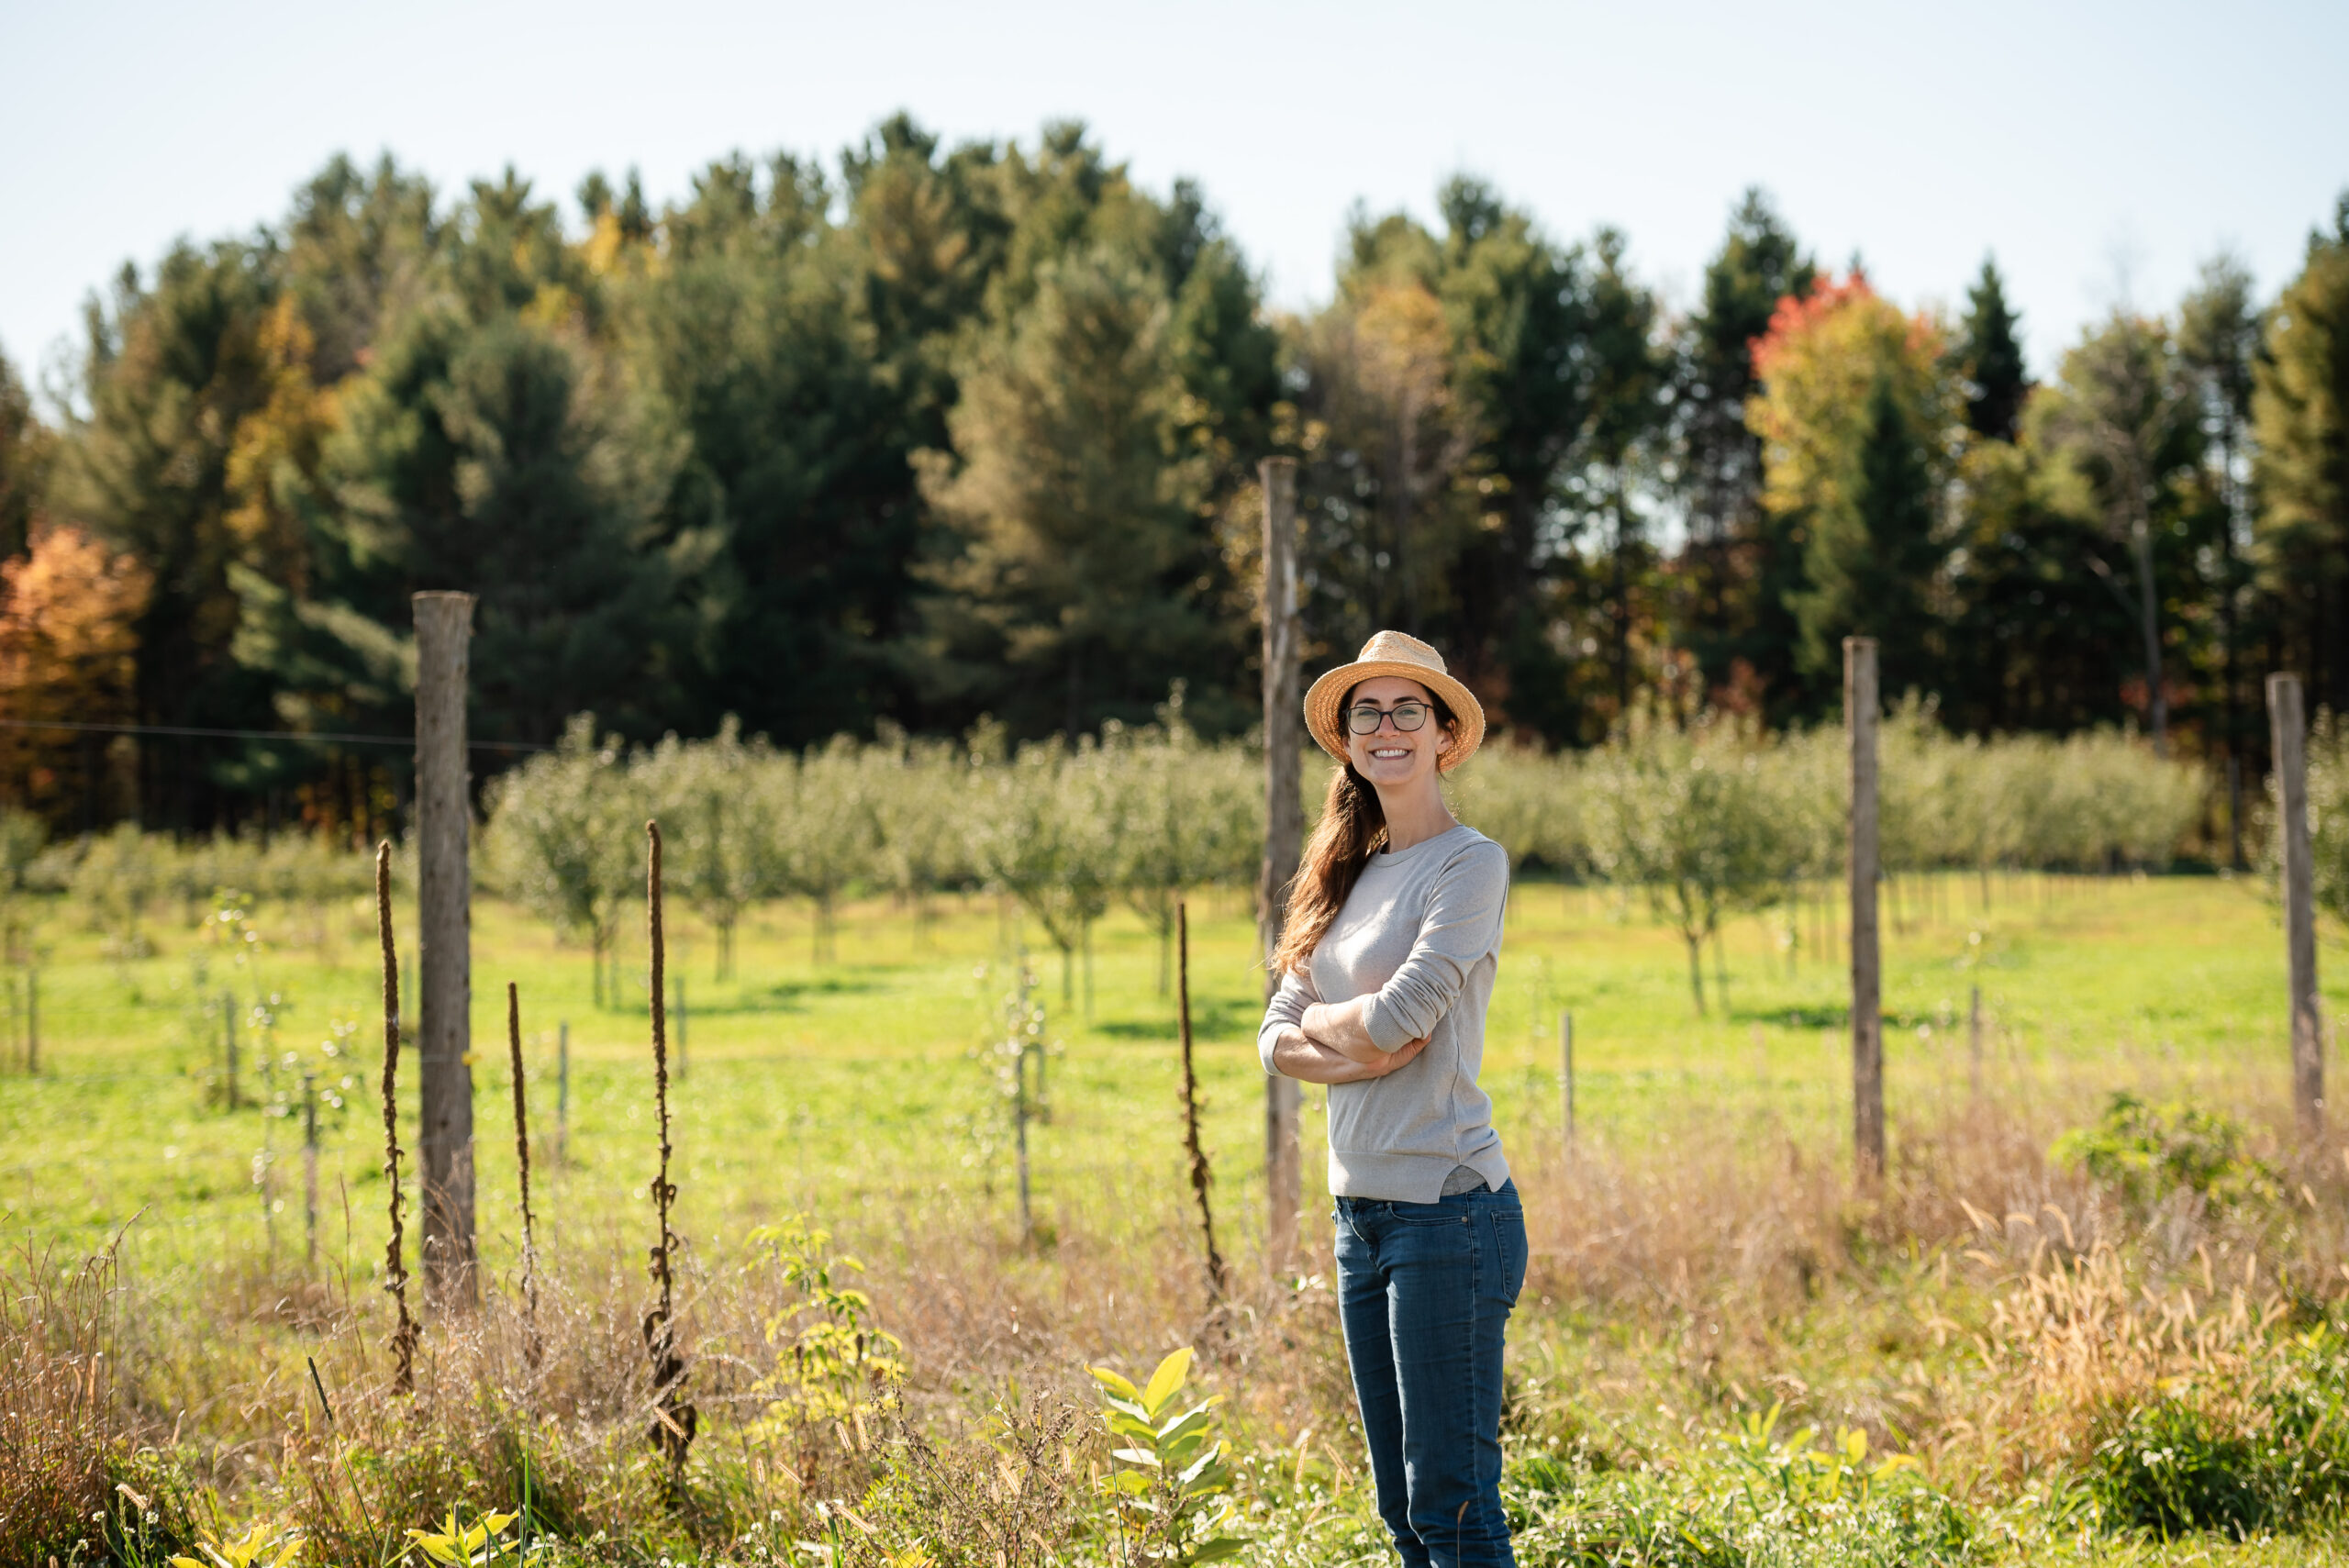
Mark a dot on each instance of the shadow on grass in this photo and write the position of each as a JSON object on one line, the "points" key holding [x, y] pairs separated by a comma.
{"points": [[1807, 1018], [787, 996], [1209, 1020]]}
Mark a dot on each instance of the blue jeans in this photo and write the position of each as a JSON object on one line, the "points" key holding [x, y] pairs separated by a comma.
{"points": [[1425, 1291]]}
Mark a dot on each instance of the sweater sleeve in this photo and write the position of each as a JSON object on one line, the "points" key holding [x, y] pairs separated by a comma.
{"points": [[1462, 924], [1288, 1006]]}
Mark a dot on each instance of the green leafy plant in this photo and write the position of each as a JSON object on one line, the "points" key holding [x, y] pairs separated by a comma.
{"points": [[1172, 1494], [475, 1545], [1803, 1471], [2147, 1149], [264, 1546], [2257, 1445], [840, 1367]]}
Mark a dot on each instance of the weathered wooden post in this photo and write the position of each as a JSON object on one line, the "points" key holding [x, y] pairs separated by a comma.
{"points": [[310, 1171], [1284, 837], [1860, 715], [1566, 1077], [444, 898], [1974, 1044], [2290, 725], [563, 1091], [229, 1035]]}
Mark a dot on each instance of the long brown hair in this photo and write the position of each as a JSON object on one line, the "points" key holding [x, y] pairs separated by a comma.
{"points": [[1352, 827]]}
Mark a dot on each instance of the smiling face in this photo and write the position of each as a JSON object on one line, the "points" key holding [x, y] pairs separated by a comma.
{"points": [[1393, 759]]}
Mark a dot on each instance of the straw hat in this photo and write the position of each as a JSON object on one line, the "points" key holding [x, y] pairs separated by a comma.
{"points": [[1392, 653]]}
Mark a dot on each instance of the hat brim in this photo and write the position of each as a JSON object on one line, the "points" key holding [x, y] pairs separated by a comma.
{"points": [[1329, 694]]}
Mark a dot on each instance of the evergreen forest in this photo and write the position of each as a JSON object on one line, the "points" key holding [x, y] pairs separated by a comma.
{"points": [[930, 434]]}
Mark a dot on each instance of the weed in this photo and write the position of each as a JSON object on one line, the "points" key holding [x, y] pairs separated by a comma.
{"points": [[404, 1335], [1016, 1495], [533, 1351], [265, 1545], [2146, 1150], [673, 1420], [1174, 1483]]}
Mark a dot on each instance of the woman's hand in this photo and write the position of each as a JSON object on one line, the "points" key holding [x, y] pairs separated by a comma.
{"points": [[1297, 1054]]}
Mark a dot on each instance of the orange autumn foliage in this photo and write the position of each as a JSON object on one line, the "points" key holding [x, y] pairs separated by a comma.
{"points": [[69, 614], [274, 455], [1817, 364]]}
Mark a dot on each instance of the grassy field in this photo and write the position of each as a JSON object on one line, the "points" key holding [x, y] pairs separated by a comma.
{"points": [[825, 1087], [1700, 1255]]}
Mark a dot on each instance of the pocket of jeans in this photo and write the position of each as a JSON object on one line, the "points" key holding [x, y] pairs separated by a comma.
{"points": [[1429, 1214], [1508, 1228]]}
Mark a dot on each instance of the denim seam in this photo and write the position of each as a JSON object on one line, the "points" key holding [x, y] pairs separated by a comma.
{"points": [[1477, 1251]]}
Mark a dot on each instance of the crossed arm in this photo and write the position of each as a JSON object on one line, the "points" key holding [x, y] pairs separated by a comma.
{"points": [[1329, 1044]]}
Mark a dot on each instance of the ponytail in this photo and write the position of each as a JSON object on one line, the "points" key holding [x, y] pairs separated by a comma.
{"points": [[1351, 827]]}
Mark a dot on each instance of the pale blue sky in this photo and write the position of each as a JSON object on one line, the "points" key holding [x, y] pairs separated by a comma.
{"points": [[2101, 150]]}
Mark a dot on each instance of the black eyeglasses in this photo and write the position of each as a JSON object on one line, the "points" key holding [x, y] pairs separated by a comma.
{"points": [[1362, 718]]}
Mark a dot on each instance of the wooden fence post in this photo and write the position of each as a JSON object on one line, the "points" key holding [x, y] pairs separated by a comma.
{"points": [[1860, 715], [563, 1091], [444, 982], [310, 1171], [1284, 838], [1567, 1076], [2289, 726], [1974, 1044]]}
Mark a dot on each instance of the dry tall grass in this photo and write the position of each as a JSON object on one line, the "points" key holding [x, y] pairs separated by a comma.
{"points": [[1990, 1310], [59, 1418]]}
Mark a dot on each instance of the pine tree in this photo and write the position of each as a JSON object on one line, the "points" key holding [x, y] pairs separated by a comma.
{"points": [[2301, 419], [1076, 583], [1856, 417], [1870, 556], [1878, 582], [1990, 359], [514, 463], [2119, 424], [170, 370], [2218, 338], [27, 448], [753, 325], [1758, 265], [1742, 568]]}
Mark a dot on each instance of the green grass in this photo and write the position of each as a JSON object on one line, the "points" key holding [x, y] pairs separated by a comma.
{"points": [[825, 1087]]}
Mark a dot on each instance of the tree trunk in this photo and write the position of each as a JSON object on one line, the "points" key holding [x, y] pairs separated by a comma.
{"points": [[1619, 589], [444, 892], [2231, 631], [2149, 612]]}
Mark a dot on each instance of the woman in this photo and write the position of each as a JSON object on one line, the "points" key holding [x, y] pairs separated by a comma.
{"points": [[1386, 965]]}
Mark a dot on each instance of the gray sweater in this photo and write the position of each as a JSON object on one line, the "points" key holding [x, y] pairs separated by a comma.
{"points": [[1422, 933]]}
